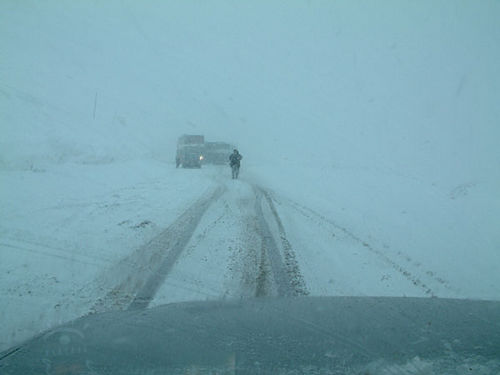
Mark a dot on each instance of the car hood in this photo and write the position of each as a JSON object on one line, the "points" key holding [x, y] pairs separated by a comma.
{"points": [[307, 335]]}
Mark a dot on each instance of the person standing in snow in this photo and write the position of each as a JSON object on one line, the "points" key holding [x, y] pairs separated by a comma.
{"points": [[234, 162]]}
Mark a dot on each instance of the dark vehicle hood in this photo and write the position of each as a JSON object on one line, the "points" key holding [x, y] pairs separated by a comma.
{"points": [[307, 335]]}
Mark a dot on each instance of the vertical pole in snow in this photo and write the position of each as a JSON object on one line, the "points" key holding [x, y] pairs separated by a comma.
{"points": [[95, 103]]}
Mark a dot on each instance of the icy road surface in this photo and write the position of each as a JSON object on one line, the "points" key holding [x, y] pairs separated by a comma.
{"points": [[80, 239]]}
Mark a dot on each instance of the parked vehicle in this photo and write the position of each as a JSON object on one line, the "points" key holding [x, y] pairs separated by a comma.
{"points": [[217, 152], [190, 150]]}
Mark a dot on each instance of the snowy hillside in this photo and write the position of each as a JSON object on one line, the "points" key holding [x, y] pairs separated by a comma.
{"points": [[380, 118]]}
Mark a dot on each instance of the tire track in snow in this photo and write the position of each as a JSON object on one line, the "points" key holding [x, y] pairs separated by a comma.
{"points": [[269, 252], [414, 279], [188, 221], [285, 270], [143, 272], [291, 264], [275, 270], [247, 262]]}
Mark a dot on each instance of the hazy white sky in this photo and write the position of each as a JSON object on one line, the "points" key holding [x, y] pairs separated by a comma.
{"points": [[406, 85]]}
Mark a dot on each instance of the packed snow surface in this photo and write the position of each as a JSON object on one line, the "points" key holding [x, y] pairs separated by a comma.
{"points": [[369, 133]]}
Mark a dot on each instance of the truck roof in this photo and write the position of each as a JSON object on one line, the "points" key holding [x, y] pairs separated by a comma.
{"points": [[217, 145], [191, 139]]}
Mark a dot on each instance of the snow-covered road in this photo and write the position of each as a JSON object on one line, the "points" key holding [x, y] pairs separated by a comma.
{"points": [[84, 239]]}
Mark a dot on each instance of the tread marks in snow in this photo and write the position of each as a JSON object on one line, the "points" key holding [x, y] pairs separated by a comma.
{"points": [[274, 269], [285, 269], [187, 223], [414, 279], [142, 273], [291, 264]]}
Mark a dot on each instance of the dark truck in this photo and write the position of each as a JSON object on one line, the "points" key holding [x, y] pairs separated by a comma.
{"points": [[190, 150], [217, 152]]}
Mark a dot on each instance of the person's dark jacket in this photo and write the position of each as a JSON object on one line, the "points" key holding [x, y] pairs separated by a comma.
{"points": [[234, 159]]}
